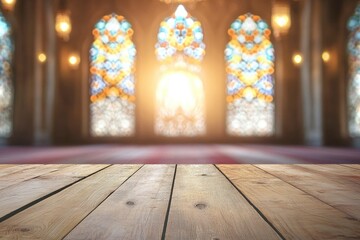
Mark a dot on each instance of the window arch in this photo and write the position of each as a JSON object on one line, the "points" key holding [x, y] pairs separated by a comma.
{"points": [[353, 48], [112, 82], [180, 94], [6, 85], [249, 60]]}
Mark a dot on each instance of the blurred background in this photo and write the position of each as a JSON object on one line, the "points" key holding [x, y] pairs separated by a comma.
{"points": [[271, 72]]}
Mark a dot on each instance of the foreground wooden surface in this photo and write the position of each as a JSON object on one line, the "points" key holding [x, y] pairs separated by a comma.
{"points": [[180, 202]]}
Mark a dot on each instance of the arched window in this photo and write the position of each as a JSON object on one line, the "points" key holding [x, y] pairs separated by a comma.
{"points": [[112, 89], [250, 82], [354, 73], [6, 85], [180, 93]]}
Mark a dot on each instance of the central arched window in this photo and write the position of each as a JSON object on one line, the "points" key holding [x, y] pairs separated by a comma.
{"points": [[180, 92], [354, 73], [112, 89], [6, 85], [250, 82]]}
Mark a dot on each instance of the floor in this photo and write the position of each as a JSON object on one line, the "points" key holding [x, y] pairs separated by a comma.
{"points": [[179, 154], [166, 201]]}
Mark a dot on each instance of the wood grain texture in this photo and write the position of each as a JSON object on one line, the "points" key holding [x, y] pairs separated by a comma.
{"points": [[336, 172], [21, 194], [57, 215], [136, 210], [296, 214], [28, 173], [355, 166], [206, 206], [11, 169], [325, 185], [3, 166]]}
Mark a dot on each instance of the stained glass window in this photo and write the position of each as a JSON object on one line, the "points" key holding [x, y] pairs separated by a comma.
{"points": [[6, 87], [354, 73], [249, 60], [180, 93], [112, 89]]}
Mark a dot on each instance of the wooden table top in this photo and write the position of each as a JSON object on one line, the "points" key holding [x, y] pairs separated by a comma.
{"points": [[216, 202]]}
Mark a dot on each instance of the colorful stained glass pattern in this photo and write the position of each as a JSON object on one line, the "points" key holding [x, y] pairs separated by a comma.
{"points": [[249, 60], [180, 92], [112, 89], [6, 87], [354, 73]]}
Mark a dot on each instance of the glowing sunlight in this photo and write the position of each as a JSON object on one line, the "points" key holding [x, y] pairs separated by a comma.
{"points": [[180, 97]]}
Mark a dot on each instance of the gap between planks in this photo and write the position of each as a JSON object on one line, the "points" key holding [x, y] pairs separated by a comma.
{"points": [[28, 173], [136, 210], [330, 184], [251, 203], [285, 214], [23, 195], [55, 216], [296, 214], [205, 205], [169, 206]]}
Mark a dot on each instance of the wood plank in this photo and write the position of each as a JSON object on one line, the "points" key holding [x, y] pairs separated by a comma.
{"points": [[3, 166], [57, 215], [136, 210], [356, 166], [206, 206], [15, 168], [26, 174], [294, 213], [337, 192], [21, 194], [336, 172]]}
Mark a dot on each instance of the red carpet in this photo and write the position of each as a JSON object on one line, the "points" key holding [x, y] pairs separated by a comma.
{"points": [[179, 154]]}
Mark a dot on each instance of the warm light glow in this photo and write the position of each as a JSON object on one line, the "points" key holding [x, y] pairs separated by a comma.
{"points": [[179, 1], [325, 56], [280, 20], [297, 59], [179, 90], [63, 25], [8, 4], [180, 99], [180, 94], [74, 60], [42, 57]]}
